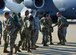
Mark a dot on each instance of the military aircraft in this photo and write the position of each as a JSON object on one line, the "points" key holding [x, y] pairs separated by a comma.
{"points": [[66, 7], [5, 10]]}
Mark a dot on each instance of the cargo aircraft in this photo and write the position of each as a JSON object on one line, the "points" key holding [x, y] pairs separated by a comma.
{"points": [[66, 7]]}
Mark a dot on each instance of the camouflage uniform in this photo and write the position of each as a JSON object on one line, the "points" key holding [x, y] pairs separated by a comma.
{"points": [[25, 35], [20, 42], [64, 25], [20, 22], [5, 36], [26, 32], [32, 30], [13, 32], [8, 27], [50, 29], [60, 30], [46, 29], [6, 39]]}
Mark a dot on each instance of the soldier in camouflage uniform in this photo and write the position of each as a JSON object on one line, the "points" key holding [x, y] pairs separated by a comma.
{"points": [[26, 31], [61, 33], [50, 28], [46, 29], [8, 26], [5, 36], [21, 23], [25, 34], [13, 32], [32, 31]]}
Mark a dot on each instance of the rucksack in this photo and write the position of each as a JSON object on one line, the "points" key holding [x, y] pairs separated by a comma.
{"points": [[16, 22], [65, 22]]}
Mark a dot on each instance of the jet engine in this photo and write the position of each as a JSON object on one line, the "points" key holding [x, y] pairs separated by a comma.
{"points": [[18, 1], [2, 4], [34, 4]]}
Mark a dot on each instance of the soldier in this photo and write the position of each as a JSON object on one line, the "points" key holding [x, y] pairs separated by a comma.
{"points": [[50, 28], [46, 29], [13, 32], [20, 21], [25, 34], [20, 42], [5, 36], [0, 31], [27, 31], [8, 26], [61, 32], [32, 31]]}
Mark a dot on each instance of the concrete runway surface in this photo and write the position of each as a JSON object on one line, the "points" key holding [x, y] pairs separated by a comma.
{"points": [[68, 49]]}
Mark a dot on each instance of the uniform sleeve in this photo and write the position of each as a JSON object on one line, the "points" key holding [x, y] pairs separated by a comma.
{"points": [[41, 21]]}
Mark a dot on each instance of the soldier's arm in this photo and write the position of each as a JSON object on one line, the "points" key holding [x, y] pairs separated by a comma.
{"points": [[60, 23], [55, 24], [41, 21]]}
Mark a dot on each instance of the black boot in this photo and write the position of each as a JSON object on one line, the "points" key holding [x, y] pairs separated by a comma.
{"points": [[45, 45], [17, 49], [59, 43], [24, 46], [51, 43], [5, 48], [5, 51], [63, 42], [28, 50]]}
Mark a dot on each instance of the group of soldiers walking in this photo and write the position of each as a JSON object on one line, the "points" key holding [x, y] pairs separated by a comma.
{"points": [[29, 29]]}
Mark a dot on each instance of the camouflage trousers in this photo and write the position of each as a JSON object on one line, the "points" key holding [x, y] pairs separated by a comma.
{"points": [[13, 34], [45, 33], [25, 39], [61, 35], [6, 39]]}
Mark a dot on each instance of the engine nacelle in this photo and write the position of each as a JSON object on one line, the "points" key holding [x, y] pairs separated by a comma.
{"points": [[18, 1], [34, 3], [14, 7], [2, 4]]}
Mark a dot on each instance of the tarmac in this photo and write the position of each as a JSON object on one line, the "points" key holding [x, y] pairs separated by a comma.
{"points": [[68, 49]]}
